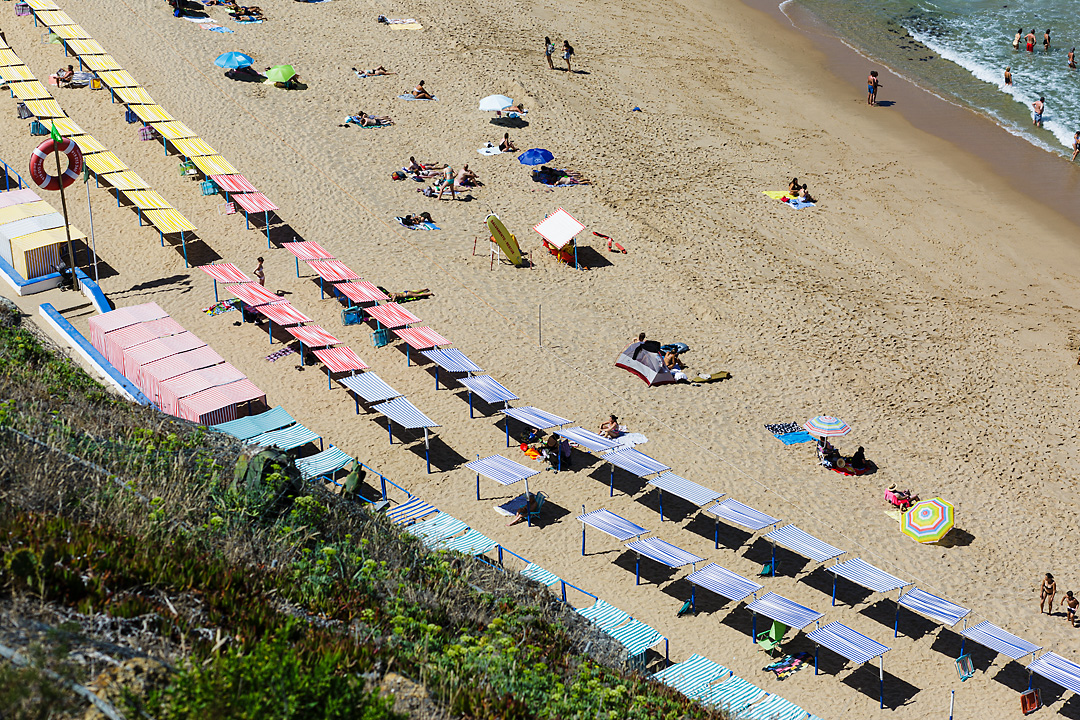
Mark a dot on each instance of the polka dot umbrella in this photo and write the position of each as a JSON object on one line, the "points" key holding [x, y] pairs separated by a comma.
{"points": [[928, 521]]}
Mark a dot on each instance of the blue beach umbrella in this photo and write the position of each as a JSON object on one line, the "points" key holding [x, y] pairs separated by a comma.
{"points": [[233, 60], [536, 156]]}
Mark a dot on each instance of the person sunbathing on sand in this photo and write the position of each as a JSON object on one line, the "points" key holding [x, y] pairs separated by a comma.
{"points": [[372, 120], [374, 71], [420, 93], [407, 295], [528, 507], [466, 177], [519, 109], [507, 145]]}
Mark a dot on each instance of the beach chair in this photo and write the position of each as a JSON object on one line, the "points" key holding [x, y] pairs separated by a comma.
{"points": [[187, 168], [1030, 701], [540, 498], [146, 133], [130, 117], [380, 338], [36, 128], [965, 668], [228, 208], [772, 638], [21, 9], [209, 188]]}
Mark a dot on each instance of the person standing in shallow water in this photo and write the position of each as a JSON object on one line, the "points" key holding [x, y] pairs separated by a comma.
{"points": [[1016, 40], [1046, 40], [1008, 76], [1072, 59], [1039, 106], [872, 85], [1030, 40]]}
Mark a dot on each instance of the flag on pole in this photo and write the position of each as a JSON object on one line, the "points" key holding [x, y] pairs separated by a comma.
{"points": [[55, 134]]}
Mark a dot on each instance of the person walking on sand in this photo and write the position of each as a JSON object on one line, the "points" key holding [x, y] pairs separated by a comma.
{"points": [[1070, 611], [872, 85], [1046, 40], [1047, 592], [549, 50], [1008, 76], [259, 273], [1016, 40], [1039, 106], [567, 53], [1030, 40]]}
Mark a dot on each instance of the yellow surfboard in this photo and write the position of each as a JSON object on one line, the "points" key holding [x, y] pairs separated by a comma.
{"points": [[507, 242]]}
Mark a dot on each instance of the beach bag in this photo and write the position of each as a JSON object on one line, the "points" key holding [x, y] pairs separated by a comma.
{"points": [[677, 347], [380, 338], [23, 111], [130, 117], [95, 83], [397, 175], [146, 133], [36, 128]]}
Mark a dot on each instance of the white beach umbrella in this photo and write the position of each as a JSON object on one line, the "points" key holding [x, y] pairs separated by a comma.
{"points": [[495, 103]]}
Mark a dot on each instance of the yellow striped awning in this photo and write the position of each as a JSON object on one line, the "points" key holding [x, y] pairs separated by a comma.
{"points": [[147, 200], [194, 147], [8, 57], [117, 78], [105, 162], [149, 113], [32, 90], [12, 73], [72, 32], [168, 221], [42, 238], [101, 63], [173, 129], [126, 180], [214, 165], [86, 47], [42, 4], [134, 96], [45, 108], [54, 17], [68, 127], [87, 143], [25, 210]]}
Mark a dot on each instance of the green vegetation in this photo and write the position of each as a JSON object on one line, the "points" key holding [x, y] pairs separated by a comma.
{"points": [[266, 597]]}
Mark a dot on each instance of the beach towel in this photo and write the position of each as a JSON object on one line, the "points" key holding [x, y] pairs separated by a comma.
{"points": [[711, 377], [421, 226], [894, 514], [489, 150], [397, 21], [284, 352], [783, 428], [221, 307], [511, 507], [795, 438], [799, 204], [249, 22], [629, 440], [788, 665], [777, 194], [407, 26], [409, 96]]}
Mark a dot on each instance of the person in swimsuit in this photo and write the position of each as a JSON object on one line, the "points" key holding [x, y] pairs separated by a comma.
{"points": [[1046, 40], [1072, 59], [1047, 592], [549, 50], [872, 85], [1039, 106], [804, 195], [1030, 39], [259, 273], [1076, 151], [1016, 40], [1070, 611], [420, 92], [507, 145], [1008, 76], [794, 187], [567, 53], [447, 181], [610, 429]]}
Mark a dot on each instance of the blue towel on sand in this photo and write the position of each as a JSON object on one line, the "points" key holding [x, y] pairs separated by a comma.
{"points": [[410, 97], [795, 438], [421, 226], [798, 204], [220, 29]]}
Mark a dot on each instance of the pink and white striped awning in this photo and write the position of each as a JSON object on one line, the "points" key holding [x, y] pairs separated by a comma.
{"points": [[361, 292], [225, 273], [254, 202], [161, 348], [308, 250], [120, 340], [283, 313], [233, 183], [100, 325], [151, 375], [254, 294], [392, 315], [312, 336], [421, 338], [207, 402], [172, 391], [340, 359], [333, 270]]}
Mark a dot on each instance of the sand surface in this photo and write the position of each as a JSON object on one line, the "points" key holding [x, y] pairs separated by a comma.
{"points": [[922, 300]]}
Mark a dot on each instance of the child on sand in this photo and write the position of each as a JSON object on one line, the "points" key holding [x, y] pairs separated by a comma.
{"points": [[872, 85], [1070, 611]]}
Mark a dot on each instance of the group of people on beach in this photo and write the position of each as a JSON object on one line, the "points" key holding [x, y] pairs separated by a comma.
{"points": [[1047, 591], [567, 53]]}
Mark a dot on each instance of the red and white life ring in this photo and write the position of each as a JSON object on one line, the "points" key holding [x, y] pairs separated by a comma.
{"points": [[37, 164]]}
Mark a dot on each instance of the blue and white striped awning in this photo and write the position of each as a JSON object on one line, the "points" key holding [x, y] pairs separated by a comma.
{"points": [[587, 439], [803, 543], [989, 635], [735, 512], [471, 543], [863, 573], [933, 607], [733, 695], [488, 388], [723, 582], [688, 490], [636, 636], [773, 707], [540, 575], [451, 360], [607, 617], [779, 608], [412, 509], [288, 438], [848, 643], [502, 470], [405, 414], [608, 522], [663, 552], [691, 675], [369, 386], [248, 427], [535, 417], [328, 462], [1057, 669], [634, 462], [436, 529]]}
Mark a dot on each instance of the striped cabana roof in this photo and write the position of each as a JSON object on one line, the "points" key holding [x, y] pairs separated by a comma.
{"points": [[587, 439], [421, 338], [340, 359], [327, 462], [360, 291], [451, 360], [688, 490], [409, 511], [392, 315], [663, 552], [500, 469], [803, 543], [405, 414], [331, 270], [286, 439], [225, 273], [608, 522], [240, 184], [634, 462], [307, 251], [779, 608], [312, 335], [723, 582], [488, 388], [283, 313], [252, 425], [535, 417], [370, 386]]}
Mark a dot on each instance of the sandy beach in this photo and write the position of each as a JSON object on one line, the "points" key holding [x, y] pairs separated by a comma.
{"points": [[923, 300]]}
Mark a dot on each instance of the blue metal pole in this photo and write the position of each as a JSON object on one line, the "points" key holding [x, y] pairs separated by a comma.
{"points": [[390, 429], [270, 329], [817, 649], [470, 405], [508, 431], [408, 358], [834, 590], [563, 590], [881, 680], [328, 385], [427, 452], [716, 534], [753, 628], [772, 570], [297, 259], [383, 479], [661, 504], [611, 492], [693, 602], [637, 571], [215, 291], [896, 622], [582, 542], [357, 401], [436, 377]]}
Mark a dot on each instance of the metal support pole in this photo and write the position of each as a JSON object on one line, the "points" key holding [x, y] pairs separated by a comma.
{"points": [[716, 534], [772, 569], [63, 203], [753, 627], [427, 451], [93, 241], [834, 589], [390, 429], [661, 504], [817, 649], [881, 679], [693, 602], [611, 489], [470, 405], [637, 571]]}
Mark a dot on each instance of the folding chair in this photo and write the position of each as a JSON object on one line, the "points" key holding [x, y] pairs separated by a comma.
{"points": [[772, 638], [965, 667], [540, 498], [209, 188], [228, 208], [187, 168], [1030, 701], [36, 128], [146, 133]]}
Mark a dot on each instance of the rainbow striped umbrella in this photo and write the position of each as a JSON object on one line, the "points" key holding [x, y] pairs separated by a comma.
{"points": [[928, 521], [826, 426]]}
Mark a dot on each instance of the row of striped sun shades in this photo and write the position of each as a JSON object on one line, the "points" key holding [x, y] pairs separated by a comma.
{"points": [[103, 163], [135, 97]]}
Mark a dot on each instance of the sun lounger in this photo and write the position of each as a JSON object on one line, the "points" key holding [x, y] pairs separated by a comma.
{"points": [[437, 529], [734, 695], [692, 676], [607, 617], [413, 510], [773, 707], [540, 575]]}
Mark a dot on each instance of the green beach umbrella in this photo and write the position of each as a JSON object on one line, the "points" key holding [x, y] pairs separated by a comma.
{"points": [[280, 73]]}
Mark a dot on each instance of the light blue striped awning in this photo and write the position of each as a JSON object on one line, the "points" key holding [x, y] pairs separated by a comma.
{"points": [[328, 462], [369, 386], [803, 543], [636, 636], [989, 635], [733, 695], [634, 462], [933, 607], [535, 417], [471, 543], [863, 573], [288, 438], [663, 552], [1057, 669], [587, 439], [847, 643], [502, 470], [436, 529], [488, 388], [412, 509], [779, 608], [451, 360], [773, 707], [735, 512], [405, 414], [607, 617], [691, 675], [540, 575], [688, 490], [608, 522], [723, 582], [248, 427]]}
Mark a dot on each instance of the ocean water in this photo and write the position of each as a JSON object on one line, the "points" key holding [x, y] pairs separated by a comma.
{"points": [[959, 49]]}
